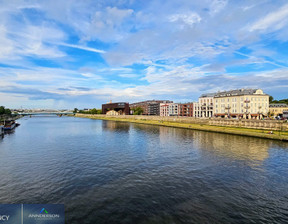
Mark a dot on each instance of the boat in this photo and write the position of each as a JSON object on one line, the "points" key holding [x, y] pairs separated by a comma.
{"points": [[9, 125], [1, 130]]}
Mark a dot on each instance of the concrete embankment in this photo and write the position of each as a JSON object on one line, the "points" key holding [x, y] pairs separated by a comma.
{"points": [[255, 128]]}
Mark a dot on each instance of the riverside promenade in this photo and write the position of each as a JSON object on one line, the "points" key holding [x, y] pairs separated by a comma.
{"points": [[270, 129]]}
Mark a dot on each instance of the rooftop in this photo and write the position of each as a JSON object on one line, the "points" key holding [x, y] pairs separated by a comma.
{"points": [[240, 92], [278, 105]]}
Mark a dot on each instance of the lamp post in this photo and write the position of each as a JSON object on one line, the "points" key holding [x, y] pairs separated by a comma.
{"points": [[259, 112], [228, 108], [247, 107]]}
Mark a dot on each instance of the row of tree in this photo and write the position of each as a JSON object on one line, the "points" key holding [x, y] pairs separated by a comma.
{"points": [[271, 100], [136, 111], [5, 111], [92, 111]]}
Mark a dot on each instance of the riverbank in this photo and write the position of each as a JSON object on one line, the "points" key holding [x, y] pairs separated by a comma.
{"points": [[279, 129], [9, 117]]}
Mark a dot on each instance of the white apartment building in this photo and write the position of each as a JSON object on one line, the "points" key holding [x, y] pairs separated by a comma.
{"points": [[169, 109], [205, 105], [196, 109], [241, 103], [164, 109], [173, 109]]}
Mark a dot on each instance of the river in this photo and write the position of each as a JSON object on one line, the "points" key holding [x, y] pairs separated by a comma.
{"points": [[117, 172]]}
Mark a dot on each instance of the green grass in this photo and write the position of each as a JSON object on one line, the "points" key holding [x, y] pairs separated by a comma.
{"points": [[261, 133]]}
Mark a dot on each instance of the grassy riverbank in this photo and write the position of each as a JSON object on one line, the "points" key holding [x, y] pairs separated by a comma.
{"points": [[260, 133], [9, 117]]}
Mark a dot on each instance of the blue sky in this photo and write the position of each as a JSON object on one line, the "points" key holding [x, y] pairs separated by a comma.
{"points": [[71, 53]]}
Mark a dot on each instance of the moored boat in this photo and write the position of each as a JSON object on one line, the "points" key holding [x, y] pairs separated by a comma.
{"points": [[9, 125], [1, 130]]}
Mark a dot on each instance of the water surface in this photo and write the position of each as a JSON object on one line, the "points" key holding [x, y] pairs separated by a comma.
{"points": [[115, 172]]}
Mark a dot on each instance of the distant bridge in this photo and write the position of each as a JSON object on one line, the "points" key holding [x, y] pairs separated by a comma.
{"points": [[45, 113]]}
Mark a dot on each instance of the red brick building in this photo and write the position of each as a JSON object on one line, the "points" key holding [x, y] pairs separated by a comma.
{"points": [[186, 109]]}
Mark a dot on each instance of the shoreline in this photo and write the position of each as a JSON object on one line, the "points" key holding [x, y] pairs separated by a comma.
{"points": [[252, 132]]}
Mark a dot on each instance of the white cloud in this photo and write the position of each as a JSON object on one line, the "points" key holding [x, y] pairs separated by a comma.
{"points": [[217, 6], [275, 20], [81, 47], [189, 19]]}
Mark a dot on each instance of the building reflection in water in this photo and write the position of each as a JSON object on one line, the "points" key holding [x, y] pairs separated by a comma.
{"points": [[115, 126], [234, 146], [225, 145]]}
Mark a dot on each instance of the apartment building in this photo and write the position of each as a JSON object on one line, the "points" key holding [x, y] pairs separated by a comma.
{"points": [[150, 107], [173, 109], [185, 109], [206, 105], [277, 109], [241, 103], [169, 109], [196, 109]]}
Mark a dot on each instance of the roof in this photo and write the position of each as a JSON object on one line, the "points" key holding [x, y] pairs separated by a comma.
{"points": [[239, 92], [278, 105], [208, 95]]}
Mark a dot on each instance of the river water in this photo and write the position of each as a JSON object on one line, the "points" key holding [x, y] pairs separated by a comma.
{"points": [[116, 172]]}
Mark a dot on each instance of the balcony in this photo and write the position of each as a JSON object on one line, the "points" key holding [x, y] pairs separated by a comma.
{"points": [[247, 101]]}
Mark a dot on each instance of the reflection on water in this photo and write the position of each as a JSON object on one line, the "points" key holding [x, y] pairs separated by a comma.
{"points": [[116, 172]]}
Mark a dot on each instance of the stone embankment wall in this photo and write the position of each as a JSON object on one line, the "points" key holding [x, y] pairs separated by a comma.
{"points": [[244, 123]]}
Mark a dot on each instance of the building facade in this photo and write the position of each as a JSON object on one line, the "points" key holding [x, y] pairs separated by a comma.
{"points": [[278, 109], [196, 109], [185, 109], [241, 103], [121, 108], [206, 104], [150, 107], [164, 109], [169, 109], [173, 109]]}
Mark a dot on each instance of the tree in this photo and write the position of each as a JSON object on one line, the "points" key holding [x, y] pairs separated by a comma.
{"points": [[271, 98], [8, 112], [75, 110], [138, 111], [2, 110], [93, 111]]}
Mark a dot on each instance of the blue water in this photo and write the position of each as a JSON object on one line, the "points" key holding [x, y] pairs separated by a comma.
{"points": [[115, 172]]}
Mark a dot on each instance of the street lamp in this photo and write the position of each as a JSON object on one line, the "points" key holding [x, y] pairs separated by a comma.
{"points": [[228, 108]]}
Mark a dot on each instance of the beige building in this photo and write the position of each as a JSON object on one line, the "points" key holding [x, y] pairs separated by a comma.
{"points": [[204, 106], [164, 109], [277, 109], [169, 109], [196, 109], [241, 103]]}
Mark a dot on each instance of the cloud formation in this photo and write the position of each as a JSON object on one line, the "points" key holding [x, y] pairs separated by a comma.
{"points": [[84, 53]]}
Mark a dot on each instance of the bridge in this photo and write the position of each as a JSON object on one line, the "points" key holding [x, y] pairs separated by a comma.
{"points": [[46, 113]]}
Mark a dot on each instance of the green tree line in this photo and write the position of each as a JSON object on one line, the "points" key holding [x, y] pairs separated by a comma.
{"points": [[5, 111], [92, 111], [271, 100]]}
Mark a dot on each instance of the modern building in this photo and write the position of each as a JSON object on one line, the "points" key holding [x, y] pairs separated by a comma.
{"points": [[164, 109], [206, 104], [173, 109], [169, 109], [150, 107], [277, 109], [241, 103], [196, 109], [121, 108], [185, 109]]}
